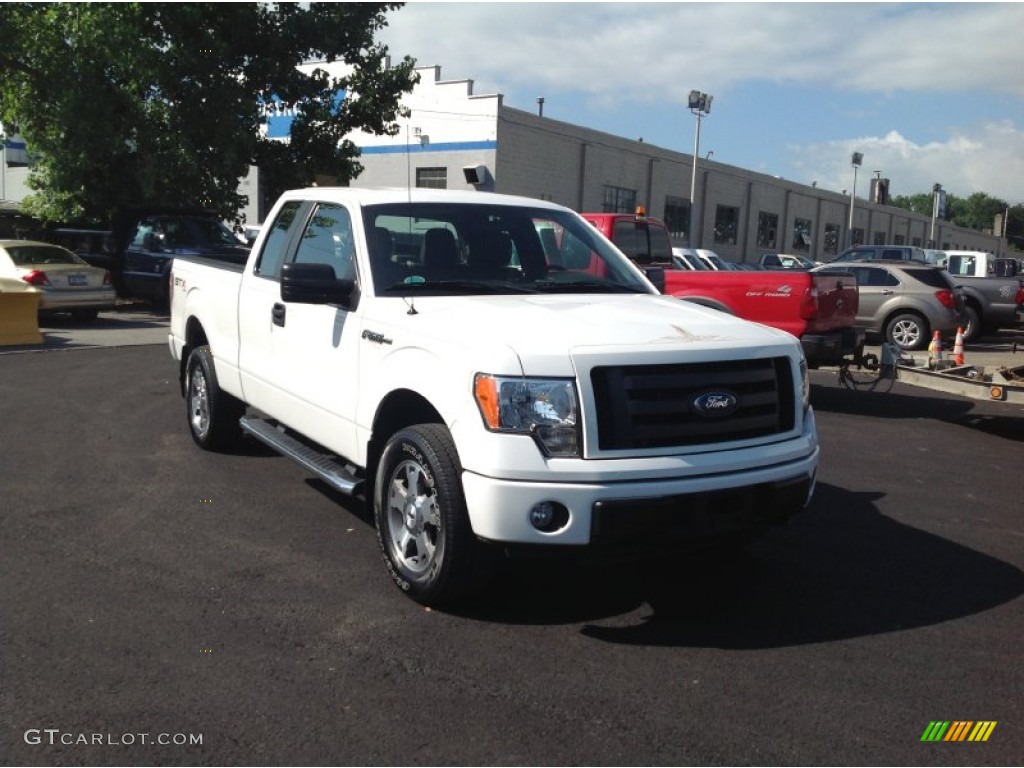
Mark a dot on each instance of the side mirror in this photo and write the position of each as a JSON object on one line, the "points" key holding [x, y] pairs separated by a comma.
{"points": [[316, 284], [657, 276]]}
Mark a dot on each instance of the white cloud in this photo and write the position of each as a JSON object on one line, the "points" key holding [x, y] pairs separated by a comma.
{"points": [[989, 158], [640, 51], [952, 62]]}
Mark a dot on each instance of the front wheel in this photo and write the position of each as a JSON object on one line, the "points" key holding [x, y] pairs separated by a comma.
{"points": [[212, 413], [422, 524], [908, 332]]}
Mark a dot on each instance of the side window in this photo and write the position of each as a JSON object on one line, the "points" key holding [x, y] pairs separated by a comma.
{"points": [[661, 246], [327, 239], [894, 253], [624, 235], [143, 228], [876, 278], [272, 255]]}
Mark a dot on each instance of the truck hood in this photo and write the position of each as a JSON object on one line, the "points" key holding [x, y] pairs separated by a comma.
{"points": [[547, 326]]}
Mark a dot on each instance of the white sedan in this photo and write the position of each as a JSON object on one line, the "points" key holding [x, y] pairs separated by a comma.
{"points": [[66, 283]]}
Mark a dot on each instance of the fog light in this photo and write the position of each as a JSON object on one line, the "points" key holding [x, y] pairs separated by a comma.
{"points": [[549, 516]]}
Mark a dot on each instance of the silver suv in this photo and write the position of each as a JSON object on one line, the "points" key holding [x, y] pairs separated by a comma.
{"points": [[886, 253], [904, 302]]}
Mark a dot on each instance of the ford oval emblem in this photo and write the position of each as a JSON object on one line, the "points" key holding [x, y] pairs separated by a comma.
{"points": [[715, 404]]}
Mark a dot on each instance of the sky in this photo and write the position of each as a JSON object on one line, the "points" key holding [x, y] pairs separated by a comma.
{"points": [[927, 92]]}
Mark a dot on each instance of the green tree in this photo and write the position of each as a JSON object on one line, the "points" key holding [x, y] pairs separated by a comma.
{"points": [[978, 211], [135, 104], [919, 203]]}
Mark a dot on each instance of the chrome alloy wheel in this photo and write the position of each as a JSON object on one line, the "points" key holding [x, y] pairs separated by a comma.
{"points": [[414, 519], [907, 333], [199, 402]]}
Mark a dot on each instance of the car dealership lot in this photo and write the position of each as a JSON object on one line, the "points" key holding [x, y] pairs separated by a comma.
{"points": [[151, 589]]}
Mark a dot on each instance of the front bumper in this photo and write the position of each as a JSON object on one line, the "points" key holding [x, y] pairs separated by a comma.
{"points": [[641, 512]]}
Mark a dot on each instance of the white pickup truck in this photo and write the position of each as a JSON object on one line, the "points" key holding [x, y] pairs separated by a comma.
{"points": [[488, 370]]}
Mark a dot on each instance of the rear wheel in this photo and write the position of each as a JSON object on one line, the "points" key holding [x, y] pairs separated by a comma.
{"points": [[422, 524], [907, 331], [212, 413]]}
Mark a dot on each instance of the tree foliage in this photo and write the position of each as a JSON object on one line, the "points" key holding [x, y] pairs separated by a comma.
{"points": [[977, 211], [144, 104]]}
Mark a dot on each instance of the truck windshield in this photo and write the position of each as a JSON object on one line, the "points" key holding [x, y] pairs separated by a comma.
{"points": [[449, 249]]}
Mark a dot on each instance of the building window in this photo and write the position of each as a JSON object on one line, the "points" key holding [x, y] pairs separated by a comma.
{"points": [[831, 238], [677, 216], [802, 235], [858, 236], [619, 200], [432, 178], [900, 240], [767, 230], [916, 242], [726, 222]]}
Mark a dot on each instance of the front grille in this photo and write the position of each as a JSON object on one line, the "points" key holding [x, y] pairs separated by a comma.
{"points": [[652, 406]]}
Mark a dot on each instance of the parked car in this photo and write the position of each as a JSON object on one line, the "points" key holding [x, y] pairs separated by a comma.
{"points": [[904, 302], [886, 253], [66, 283], [156, 240], [701, 256], [685, 258], [786, 261]]}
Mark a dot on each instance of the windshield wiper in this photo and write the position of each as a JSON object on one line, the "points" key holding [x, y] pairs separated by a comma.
{"points": [[584, 286], [459, 286]]}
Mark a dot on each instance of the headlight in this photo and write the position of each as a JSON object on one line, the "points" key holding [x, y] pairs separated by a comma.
{"points": [[546, 409], [805, 383]]}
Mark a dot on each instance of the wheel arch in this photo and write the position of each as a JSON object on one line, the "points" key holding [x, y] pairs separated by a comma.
{"points": [[398, 409], [195, 336]]}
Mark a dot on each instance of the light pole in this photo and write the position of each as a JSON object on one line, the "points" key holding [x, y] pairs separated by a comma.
{"points": [[936, 192], [700, 105], [855, 160]]}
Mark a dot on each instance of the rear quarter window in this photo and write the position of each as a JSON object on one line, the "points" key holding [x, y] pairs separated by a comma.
{"points": [[931, 277]]}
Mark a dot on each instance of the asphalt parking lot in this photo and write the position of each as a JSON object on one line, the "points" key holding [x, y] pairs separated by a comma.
{"points": [[152, 590]]}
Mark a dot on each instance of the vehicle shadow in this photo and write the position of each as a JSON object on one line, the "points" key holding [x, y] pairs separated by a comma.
{"points": [[105, 320], [840, 570], [997, 419]]}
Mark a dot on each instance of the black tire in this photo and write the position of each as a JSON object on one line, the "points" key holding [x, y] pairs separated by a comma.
{"points": [[972, 329], [212, 413], [85, 315], [425, 536], [907, 331]]}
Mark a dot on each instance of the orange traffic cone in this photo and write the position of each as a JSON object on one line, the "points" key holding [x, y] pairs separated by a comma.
{"points": [[958, 347], [935, 349]]}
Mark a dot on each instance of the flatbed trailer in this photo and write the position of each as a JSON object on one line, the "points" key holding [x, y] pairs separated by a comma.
{"points": [[1004, 385]]}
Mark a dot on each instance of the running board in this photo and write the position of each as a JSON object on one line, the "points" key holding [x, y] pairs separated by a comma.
{"points": [[327, 469]]}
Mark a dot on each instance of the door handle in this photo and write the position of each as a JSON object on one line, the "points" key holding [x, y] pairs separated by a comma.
{"points": [[888, 293], [277, 314]]}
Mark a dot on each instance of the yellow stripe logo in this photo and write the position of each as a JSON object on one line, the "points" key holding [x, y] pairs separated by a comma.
{"points": [[958, 730]]}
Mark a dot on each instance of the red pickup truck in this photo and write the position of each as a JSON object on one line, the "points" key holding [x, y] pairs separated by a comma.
{"points": [[819, 309]]}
